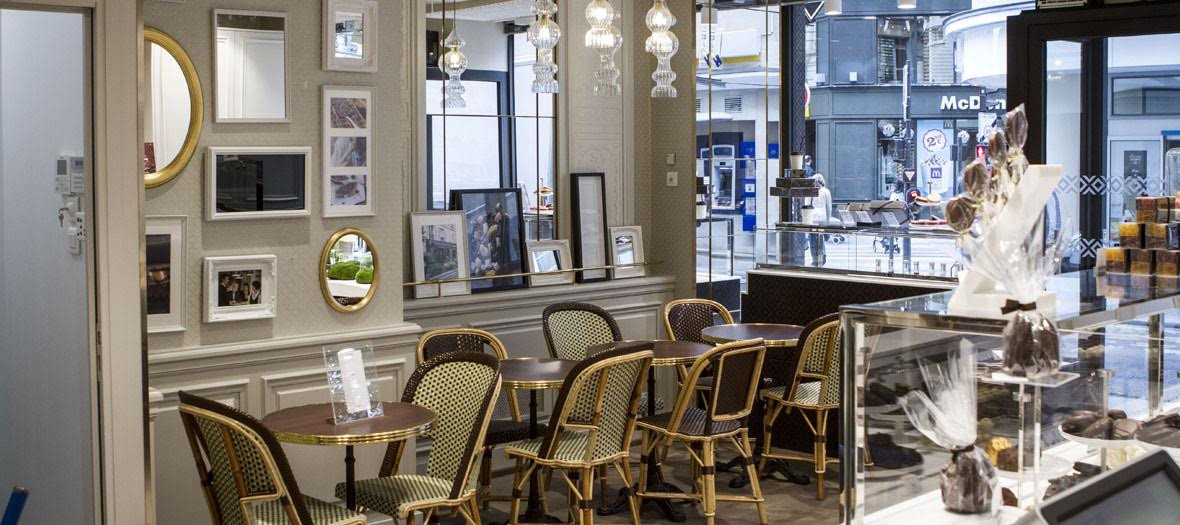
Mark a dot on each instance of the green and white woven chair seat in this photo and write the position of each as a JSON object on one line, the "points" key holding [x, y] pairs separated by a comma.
{"points": [[806, 394], [322, 513], [571, 447], [390, 495]]}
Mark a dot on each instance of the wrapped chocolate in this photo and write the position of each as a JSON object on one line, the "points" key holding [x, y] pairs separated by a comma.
{"points": [[1117, 260], [1159, 236], [1131, 235], [1032, 344], [1167, 263], [960, 214], [976, 180], [1142, 262]]}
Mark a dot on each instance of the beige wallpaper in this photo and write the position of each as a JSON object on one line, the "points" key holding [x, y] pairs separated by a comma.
{"points": [[296, 242]]}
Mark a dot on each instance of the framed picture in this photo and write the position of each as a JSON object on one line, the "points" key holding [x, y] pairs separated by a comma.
{"points": [[440, 252], [242, 287], [350, 35], [589, 221], [256, 182], [348, 167], [626, 247], [495, 236], [550, 256], [165, 273]]}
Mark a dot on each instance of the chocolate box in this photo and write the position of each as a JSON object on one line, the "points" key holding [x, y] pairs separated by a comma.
{"points": [[1142, 261], [1145, 209], [1167, 263], [1117, 260], [1161, 236], [1130, 235]]}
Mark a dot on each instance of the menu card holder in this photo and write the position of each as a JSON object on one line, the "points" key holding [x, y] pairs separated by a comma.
{"points": [[352, 382]]}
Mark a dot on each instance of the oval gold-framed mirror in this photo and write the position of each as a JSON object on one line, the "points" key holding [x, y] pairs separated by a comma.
{"points": [[174, 108], [349, 270]]}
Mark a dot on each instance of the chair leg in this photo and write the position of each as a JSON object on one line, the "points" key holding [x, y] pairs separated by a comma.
{"points": [[411, 519], [517, 483], [629, 482], [602, 484], [709, 475], [643, 453], [485, 476], [586, 503], [768, 420], [475, 517], [821, 451], [755, 485]]}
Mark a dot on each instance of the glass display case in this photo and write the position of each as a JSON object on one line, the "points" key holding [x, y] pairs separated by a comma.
{"points": [[909, 252], [1044, 435]]}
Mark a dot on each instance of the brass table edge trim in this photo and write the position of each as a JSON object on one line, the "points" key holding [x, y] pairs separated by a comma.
{"points": [[533, 385], [353, 439]]}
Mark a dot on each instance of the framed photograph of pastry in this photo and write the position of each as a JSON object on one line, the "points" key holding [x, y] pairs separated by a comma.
{"points": [[495, 236], [439, 247], [348, 166], [550, 256], [350, 35], [242, 287], [256, 182], [626, 248], [165, 273], [589, 225]]}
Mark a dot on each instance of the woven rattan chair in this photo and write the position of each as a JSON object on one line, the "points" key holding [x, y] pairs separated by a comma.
{"points": [[737, 369], [460, 388], [685, 319], [591, 427], [506, 425], [814, 391], [244, 473], [571, 328]]}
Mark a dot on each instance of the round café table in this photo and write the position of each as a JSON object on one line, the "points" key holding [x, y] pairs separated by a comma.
{"points": [[533, 374], [666, 353], [314, 425]]}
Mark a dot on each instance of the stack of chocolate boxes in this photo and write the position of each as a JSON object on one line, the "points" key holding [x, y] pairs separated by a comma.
{"points": [[1151, 244]]}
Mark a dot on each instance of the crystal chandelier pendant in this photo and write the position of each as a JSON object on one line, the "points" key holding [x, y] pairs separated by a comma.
{"points": [[604, 37], [662, 44], [453, 64], [544, 34]]}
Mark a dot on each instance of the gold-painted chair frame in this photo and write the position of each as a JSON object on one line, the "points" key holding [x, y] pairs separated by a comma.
{"points": [[323, 273], [718, 308], [196, 108]]}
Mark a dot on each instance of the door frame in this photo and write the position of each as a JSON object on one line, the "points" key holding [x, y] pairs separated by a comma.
{"points": [[116, 240]]}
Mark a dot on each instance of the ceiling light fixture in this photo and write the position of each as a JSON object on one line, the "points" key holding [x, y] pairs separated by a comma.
{"points": [[604, 37], [544, 34], [663, 44], [453, 64]]}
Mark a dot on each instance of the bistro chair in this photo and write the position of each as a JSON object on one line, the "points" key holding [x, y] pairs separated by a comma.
{"points": [[685, 319], [244, 473], [571, 328], [737, 370], [461, 389], [590, 427], [814, 391], [506, 425]]}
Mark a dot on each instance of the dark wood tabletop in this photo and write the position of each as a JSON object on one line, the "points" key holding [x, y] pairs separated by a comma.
{"points": [[313, 425], [535, 373], [776, 335], [667, 353]]}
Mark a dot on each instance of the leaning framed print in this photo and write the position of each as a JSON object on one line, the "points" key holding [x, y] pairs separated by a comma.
{"points": [[347, 147], [589, 222], [550, 256], [495, 236], [238, 288], [165, 258], [256, 182], [626, 247], [350, 35], [438, 242]]}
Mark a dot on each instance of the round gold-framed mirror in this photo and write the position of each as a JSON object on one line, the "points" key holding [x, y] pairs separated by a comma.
{"points": [[349, 270], [174, 108]]}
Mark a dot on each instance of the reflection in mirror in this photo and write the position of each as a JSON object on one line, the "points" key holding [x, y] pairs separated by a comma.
{"points": [[251, 66], [546, 261], [348, 270], [350, 35], [624, 249], [172, 115]]}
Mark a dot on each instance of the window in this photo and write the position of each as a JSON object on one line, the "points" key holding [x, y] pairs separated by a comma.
{"points": [[1152, 95]]}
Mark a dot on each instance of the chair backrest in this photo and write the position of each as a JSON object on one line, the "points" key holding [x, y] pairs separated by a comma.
{"points": [[460, 388], [239, 462], [737, 374], [570, 328], [684, 319], [16, 506], [600, 397], [820, 360], [444, 341]]}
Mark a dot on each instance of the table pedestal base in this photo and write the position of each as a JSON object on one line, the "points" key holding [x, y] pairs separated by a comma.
{"points": [[738, 466]]}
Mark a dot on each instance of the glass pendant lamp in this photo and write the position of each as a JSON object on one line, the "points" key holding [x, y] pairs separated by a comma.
{"points": [[544, 34], [604, 37], [453, 64], [662, 44]]}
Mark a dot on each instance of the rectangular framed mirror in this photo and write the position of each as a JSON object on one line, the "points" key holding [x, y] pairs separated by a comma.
{"points": [[250, 55], [257, 182]]}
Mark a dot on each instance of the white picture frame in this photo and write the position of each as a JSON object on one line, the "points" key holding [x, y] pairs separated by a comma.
{"points": [[366, 10], [348, 188], [295, 188], [440, 226], [231, 90], [626, 247], [166, 263], [243, 271], [550, 256]]}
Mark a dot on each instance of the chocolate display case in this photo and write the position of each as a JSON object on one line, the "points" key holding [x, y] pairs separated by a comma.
{"points": [[1117, 386], [895, 252]]}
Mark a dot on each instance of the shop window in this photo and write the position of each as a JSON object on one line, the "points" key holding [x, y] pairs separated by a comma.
{"points": [[1149, 95]]}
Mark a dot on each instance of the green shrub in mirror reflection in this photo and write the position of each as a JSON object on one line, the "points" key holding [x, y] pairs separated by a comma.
{"points": [[344, 270], [364, 276]]}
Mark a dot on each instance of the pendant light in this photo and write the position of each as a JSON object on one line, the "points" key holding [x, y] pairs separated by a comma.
{"points": [[604, 37], [662, 44], [544, 34], [453, 64], [833, 7]]}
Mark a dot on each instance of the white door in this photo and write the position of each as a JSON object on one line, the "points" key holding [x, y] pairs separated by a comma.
{"points": [[47, 364]]}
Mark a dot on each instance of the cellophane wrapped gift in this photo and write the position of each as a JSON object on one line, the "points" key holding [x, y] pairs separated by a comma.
{"points": [[945, 414]]}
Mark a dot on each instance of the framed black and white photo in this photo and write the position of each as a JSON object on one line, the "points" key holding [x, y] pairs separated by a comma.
{"points": [[350, 35], [238, 288], [550, 256], [626, 247], [348, 160], [495, 236], [438, 242], [165, 258], [256, 182], [589, 221]]}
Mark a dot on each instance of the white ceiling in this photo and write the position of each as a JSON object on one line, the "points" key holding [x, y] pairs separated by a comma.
{"points": [[482, 10]]}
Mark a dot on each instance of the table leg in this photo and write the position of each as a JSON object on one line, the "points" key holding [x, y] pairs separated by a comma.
{"points": [[349, 478], [533, 513]]}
